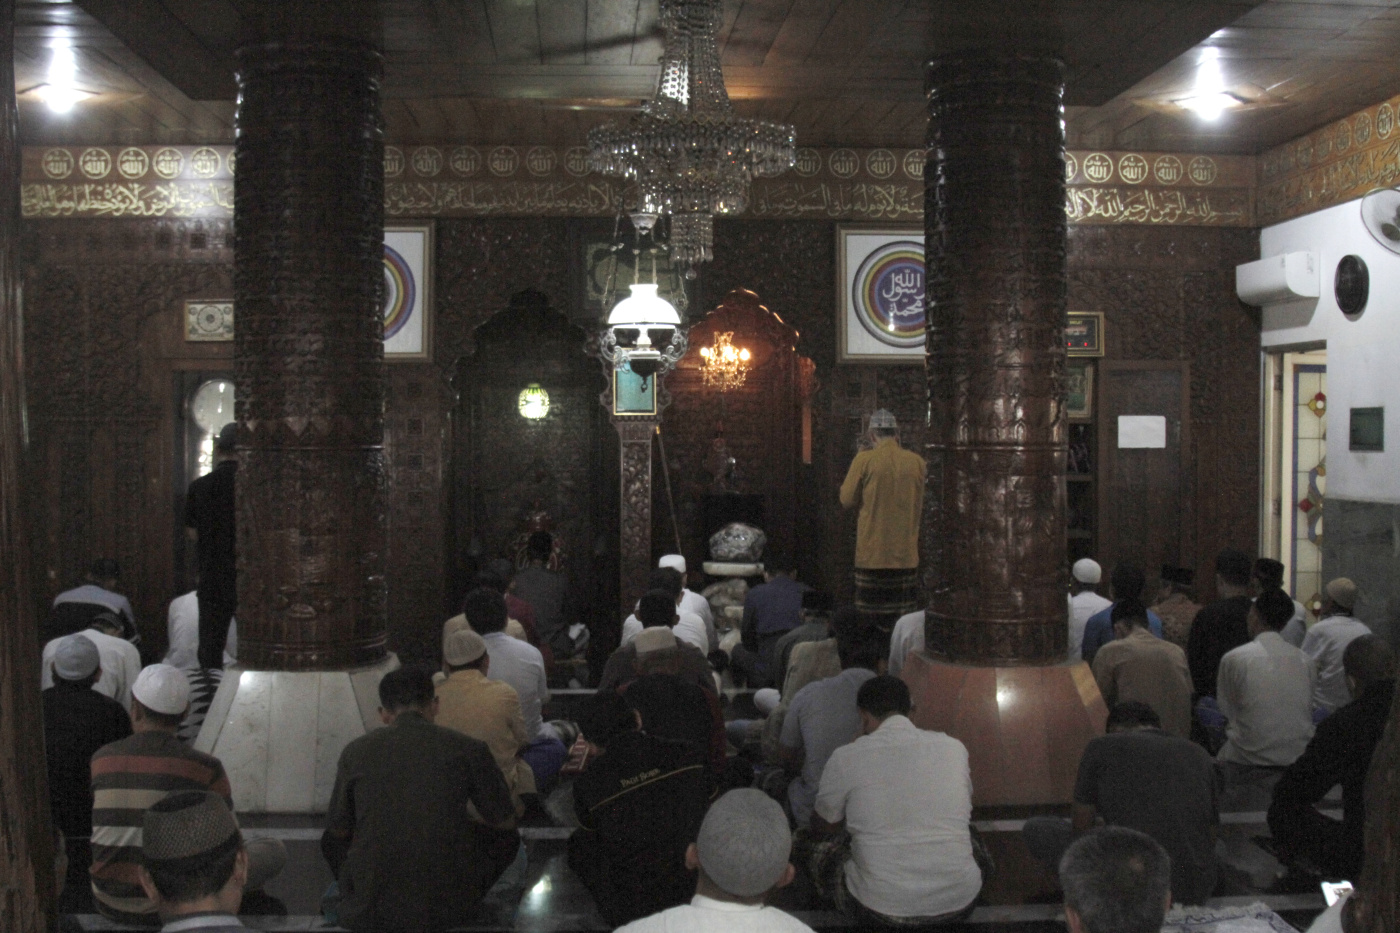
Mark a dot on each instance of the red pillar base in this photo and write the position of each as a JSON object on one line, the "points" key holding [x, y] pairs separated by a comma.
{"points": [[1025, 728]]}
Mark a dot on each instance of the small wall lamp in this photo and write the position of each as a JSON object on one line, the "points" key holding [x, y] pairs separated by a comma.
{"points": [[533, 402]]}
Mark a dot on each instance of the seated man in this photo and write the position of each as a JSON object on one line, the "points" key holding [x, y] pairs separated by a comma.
{"points": [[547, 592], [891, 839], [741, 857], [1221, 625], [1127, 583], [689, 627], [1268, 575], [639, 804], [73, 610], [822, 718], [1116, 880], [1265, 690], [692, 601], [1139, 777], [908, 637], [486, 710], [1084, 603], [182, 635], [771, 610], [194, 865], [121, 662], [521, 665], [1175, 605], [1140, 666], [657, 611], [1339, 753], [131, 775], [1328, 639], [402, 834], [78, 721], [816, 618]]}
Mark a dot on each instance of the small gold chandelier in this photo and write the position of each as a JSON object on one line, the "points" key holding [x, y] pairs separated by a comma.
{"points": [[726, 366]]}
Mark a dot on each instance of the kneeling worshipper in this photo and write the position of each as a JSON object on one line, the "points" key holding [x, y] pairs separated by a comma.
{"points": [[194, 866], [741, 858]]}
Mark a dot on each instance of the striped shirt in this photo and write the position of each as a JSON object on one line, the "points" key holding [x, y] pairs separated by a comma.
{"points": [[128, 777]]}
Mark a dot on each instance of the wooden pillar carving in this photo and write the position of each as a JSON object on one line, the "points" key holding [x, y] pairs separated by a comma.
{"points": [[1375, 908], [995, 231], [27, 895], [634, 560], [309, 355]]}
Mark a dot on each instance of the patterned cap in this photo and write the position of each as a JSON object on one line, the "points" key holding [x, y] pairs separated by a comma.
{"points": [[75, 658], [1343, 592], [884, 418], [186, 825], [744, 843], [463, 647]]}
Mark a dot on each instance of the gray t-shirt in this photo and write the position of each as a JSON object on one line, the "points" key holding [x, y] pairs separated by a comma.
{"points": [[1163, 786], [821, 718]]}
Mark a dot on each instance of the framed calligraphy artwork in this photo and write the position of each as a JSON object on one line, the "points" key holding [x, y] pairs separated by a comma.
{"points": [[408, 291], [880, 284]]}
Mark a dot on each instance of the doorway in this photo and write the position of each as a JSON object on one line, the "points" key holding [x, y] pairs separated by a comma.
{"points": [[1295, 486]]}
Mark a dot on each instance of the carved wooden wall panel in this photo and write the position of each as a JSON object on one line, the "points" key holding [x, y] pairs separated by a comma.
{"points": [[26, 834], [104, 336], [1170, 295]]}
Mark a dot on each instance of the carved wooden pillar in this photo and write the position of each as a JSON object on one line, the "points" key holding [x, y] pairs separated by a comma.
{"points": [[1375, 908], [634, 561], [995, 231], [308, 356], [26, 837]]}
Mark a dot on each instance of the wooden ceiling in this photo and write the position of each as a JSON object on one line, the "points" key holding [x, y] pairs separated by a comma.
{"points": [[845, 72]]}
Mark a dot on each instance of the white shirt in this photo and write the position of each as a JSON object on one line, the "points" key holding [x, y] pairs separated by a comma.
{"points": [[908, 635], [1081, 607], [1297, 628], [906, 796], [692, 601], [1325, 643], [92, 593], [521, 665], [182, 632], [690, 629], [704, 915], [1265, 690], [120, 661]]}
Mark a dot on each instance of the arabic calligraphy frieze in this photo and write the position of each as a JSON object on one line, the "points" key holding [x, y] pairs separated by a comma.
{"points": [[878, 185], [1341, 161], [1116, 204], [131, 199]]}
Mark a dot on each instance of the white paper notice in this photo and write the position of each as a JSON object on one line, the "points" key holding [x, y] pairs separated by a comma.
{"points": [[1142, 431]]}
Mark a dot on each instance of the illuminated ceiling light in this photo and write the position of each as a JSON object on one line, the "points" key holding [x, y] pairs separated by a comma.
{"points": [[58, 92], [1210, 106], [533, 402], [59, 99], [726, 366], [690, 156], [644, 332]]}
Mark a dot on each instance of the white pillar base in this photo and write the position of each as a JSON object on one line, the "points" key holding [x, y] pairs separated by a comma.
{"points": [[279, 734]]}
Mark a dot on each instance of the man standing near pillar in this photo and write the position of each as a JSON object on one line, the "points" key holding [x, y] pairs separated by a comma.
{"points": [[886, 483], [209, 514]]}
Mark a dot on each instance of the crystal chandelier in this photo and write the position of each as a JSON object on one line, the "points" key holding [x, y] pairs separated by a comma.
{"points": [[726, 366], [690, 156]]}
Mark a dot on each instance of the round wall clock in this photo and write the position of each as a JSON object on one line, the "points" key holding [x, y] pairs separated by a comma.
{"points": [[1352, 284], [212, 405]]}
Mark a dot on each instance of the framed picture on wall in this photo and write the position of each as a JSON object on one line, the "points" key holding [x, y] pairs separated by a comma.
{"points": [[1079, 390], [408, 291], [633, 395], [880, 294], [1084, 333]]}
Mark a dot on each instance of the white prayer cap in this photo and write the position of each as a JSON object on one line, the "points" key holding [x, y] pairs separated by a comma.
{"points": [[163, 689], [884, 418], [744, 843], [1087, 570], [75, 658], [463, 647], [674, 561]]}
